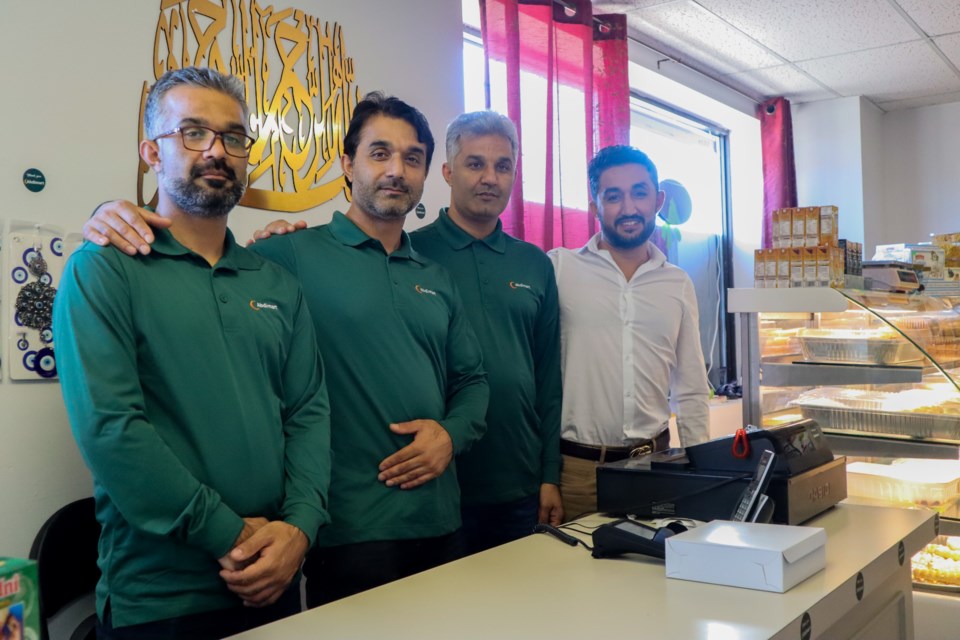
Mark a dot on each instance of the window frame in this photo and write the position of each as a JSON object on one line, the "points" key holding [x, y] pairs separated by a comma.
{"points": [[726, 339]]}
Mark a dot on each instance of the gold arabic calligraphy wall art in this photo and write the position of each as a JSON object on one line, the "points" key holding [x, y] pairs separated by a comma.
{"points": [[300, 89]]}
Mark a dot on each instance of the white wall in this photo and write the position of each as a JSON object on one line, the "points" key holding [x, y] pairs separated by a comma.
{"points": [[71, 81], [827, 148], [921, 174], [872, 139], [895, 176]]}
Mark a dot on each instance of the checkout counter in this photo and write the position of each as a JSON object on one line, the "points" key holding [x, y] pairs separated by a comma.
{"points": [[538, 587]]}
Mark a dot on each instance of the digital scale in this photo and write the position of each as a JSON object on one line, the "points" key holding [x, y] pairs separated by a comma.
{"points": [[887, 275]]}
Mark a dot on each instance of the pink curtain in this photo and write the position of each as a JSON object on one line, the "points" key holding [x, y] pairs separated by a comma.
{"points": [[779, 170], [564, 56]]}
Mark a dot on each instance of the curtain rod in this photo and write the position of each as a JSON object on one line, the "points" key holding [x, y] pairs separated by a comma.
{"points": [[571, 7]]}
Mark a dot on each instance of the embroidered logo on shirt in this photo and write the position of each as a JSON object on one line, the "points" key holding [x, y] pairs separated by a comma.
{"points": [[424, 290], [259, 306], [519, 285]]}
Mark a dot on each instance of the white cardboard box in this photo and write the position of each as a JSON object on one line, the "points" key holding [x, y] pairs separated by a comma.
{"points": [[768, 557]]}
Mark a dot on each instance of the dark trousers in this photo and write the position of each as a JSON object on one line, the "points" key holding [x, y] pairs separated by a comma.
{"points": [[337, 572], [211, 625], [490, 525]]}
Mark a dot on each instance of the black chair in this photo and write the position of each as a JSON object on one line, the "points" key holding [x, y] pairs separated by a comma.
{"points": [[66, 553]]}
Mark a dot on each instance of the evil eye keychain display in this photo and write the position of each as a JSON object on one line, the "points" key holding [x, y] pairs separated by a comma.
{"points": [[34, 309]]}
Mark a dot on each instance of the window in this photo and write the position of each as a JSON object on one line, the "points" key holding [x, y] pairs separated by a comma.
{"points": [[473, 72], [693, 152], [570, 149]]}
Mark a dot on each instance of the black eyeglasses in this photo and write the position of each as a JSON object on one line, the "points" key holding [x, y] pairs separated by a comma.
{"points": [[197, 138]]}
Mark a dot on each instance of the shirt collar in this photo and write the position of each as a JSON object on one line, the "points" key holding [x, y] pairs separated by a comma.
{"points": [[656, 260], [234, 256], [349, 234], [458, 239]]}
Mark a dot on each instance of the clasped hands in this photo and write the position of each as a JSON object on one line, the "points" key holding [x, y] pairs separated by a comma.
{"points": [[264, 560], [267, 554]]}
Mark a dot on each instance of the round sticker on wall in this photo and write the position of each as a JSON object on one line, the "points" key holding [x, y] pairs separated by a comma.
{"points": [[34, 180]]}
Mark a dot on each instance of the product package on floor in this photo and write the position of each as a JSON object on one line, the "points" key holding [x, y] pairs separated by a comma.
{"points": [[19, 605]]}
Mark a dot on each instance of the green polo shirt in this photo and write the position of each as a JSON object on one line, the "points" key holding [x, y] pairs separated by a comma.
{"points": [[196, 396], [397, 347], [510, 294]]}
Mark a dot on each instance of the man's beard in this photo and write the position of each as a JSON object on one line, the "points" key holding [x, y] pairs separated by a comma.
{"points": [[206, 201], [618, 241], [393, 208]]}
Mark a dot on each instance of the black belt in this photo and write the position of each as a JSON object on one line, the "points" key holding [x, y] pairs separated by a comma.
{"points": [[598, 453]]}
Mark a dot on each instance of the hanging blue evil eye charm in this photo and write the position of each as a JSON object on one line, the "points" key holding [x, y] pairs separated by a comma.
{"points": [[56, 246], [20, 275], [30, 255], [46, 335], [30, 360], [22, 343], [46, 363]]}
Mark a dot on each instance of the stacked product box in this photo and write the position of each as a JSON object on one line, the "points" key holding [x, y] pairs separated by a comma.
{"points": [[805, 250], [852, 257], [950, 243]]}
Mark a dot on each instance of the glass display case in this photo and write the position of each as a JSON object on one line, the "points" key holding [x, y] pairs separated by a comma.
{"points": [[880, 373]]}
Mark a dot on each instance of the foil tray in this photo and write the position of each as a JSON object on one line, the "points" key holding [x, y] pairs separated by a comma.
{"points": [[930, 586], [916, 425], [862, 351]]}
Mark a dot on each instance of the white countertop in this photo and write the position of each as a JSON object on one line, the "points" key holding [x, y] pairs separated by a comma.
{"points": [[538, 587]]}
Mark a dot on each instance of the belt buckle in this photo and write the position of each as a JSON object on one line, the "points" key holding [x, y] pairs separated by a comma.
{"points": [[642, 450]]}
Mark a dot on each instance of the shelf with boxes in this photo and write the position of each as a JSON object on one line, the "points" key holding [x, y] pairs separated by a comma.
{"points": [[806, 251]]}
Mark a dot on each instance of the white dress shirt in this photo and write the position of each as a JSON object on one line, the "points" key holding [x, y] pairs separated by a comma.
{"points": [[627, 347]]}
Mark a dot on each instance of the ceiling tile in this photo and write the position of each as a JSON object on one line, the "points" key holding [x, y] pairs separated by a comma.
{"points": [[783, 80], [935, 17], [896, 72], [950, 45], [926, 101], [687, 27], [806, 29]]}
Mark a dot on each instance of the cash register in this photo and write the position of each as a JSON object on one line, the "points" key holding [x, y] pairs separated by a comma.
{"points": [[705, 481]]}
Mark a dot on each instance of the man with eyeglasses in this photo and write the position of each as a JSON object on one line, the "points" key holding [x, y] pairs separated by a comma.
{"points": [[195, 391]]}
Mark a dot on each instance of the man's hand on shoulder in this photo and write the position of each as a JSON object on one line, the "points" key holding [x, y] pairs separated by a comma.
{"points": [[420, 461], [269, 560], [124, 225], [277, 228]]}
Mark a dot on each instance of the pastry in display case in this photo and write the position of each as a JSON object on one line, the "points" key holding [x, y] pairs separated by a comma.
{"points": [[880, 373], [938, 564]]}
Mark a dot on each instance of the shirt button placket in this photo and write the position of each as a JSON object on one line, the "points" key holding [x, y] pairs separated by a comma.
{"points": [[626, 313], [483, 280]]}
